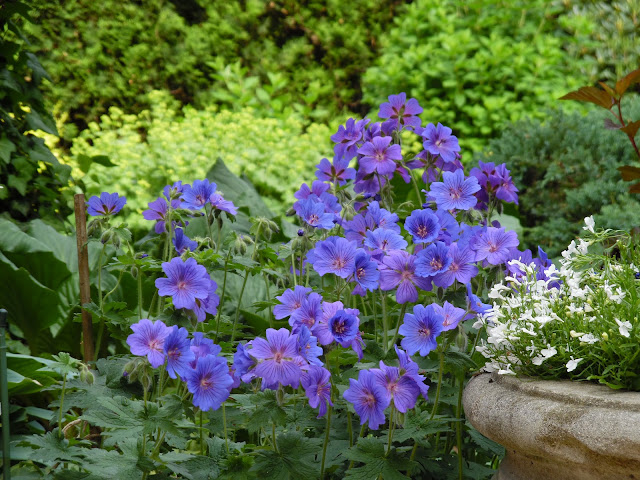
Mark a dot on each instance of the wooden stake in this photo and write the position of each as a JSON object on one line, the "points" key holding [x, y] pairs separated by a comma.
{"points": [[83, 271]]}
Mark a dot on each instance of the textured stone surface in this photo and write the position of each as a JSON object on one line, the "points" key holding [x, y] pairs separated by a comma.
{"points": [[557, 430]]}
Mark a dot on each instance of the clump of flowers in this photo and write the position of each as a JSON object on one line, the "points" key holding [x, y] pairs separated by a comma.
{"points": [[579, 321]]}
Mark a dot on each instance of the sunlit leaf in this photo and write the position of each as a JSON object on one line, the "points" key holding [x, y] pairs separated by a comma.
{"points": [[624, 83]]}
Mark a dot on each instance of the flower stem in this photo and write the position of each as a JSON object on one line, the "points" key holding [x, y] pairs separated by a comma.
{"points": [[224, 287], [385, 321], [273, 434], [326, 442], [391, 427], [395, 335], [201, 435], [440, 370], [224, 423], [459, 428], [64, 386]]}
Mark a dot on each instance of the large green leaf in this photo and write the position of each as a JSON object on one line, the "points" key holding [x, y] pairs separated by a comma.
{"points": [[33, 255], [30, 374], [31, 305]]}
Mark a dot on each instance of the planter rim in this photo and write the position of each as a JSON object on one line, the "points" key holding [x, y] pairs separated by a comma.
{"points": [[591, 394]]}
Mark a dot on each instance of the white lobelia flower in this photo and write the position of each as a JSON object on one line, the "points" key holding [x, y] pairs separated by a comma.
{"points": [[572, 364], [548, 352], [590, 224], [588, 338], [624, 327]]}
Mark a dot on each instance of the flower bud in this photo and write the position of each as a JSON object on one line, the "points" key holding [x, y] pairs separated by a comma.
{"points": [[86, 375], [605, 336], [240, 244], [461, 340]]}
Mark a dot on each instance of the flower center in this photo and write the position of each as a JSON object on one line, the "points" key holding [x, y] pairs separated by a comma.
{"points": [[313, 219], [155, 344], [174, 353], [338, 263], [455, 193], [182, 285], [339, 327], [424, 332], [360, 272], [436, 264], [277, 357], [493, 247], [422, 231], [206, 383], [369, 399]]}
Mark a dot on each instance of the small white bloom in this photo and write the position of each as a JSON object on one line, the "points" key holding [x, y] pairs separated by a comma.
{"points": [[572, 364], [538, 360], [624, 327], [548, 352], [575, 334], [588, 338], [506, 371], [590, 223]]}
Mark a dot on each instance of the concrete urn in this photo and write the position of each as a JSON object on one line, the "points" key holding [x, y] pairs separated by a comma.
{"points": [[557, 430]]}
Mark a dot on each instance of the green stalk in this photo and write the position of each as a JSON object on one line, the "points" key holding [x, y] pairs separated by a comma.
{"points": [[266, 284], [273, 434], [139, 293], [293, 269], [4, 398], [224, 287], [326, 442], [385, 321], [64, 386], [459, 429], [440, 370], [114, 288], [392, 424], [375, 316], [224, 423], [395, 335], [244, 284], [362, 430], [208, 210], [201, 435], [415, 184], [100, 302], [350, 429]]}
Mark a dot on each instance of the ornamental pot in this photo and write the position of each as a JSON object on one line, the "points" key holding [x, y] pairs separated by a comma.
{"points": [[557, 429]]}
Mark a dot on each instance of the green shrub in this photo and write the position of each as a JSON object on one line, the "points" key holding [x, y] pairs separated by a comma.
{"points": [[113, 52], [166, 144], [31, 178], [604, 35], [565, 168], [479, 66]]}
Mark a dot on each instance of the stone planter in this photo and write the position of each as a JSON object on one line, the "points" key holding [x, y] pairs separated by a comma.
{"points": [[557, 430]]}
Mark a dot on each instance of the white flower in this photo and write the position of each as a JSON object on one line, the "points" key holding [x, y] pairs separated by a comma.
{"points": [[572, 364], [496, 291], [548, 352], [588, 338], [506, 371], [589, 222], [624, 327]]}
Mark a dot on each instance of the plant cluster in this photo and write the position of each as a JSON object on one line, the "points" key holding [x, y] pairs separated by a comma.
{"points": [[31, 178], [370, 322], [564, 178], [482, 70], [185, 143], [114, 53], [578, 322]]}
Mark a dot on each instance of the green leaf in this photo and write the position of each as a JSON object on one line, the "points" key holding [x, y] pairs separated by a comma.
{"points": [[371, 452], [491, 447], [6, 149], [592, 95], [51, 447], [294, 459], [36, 122]]}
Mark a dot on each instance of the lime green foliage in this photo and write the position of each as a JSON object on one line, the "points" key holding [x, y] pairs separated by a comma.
{"points": [[565, 168], [166, 144], [478, 66], [605, 36], [113, 52], [31, 178]]}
